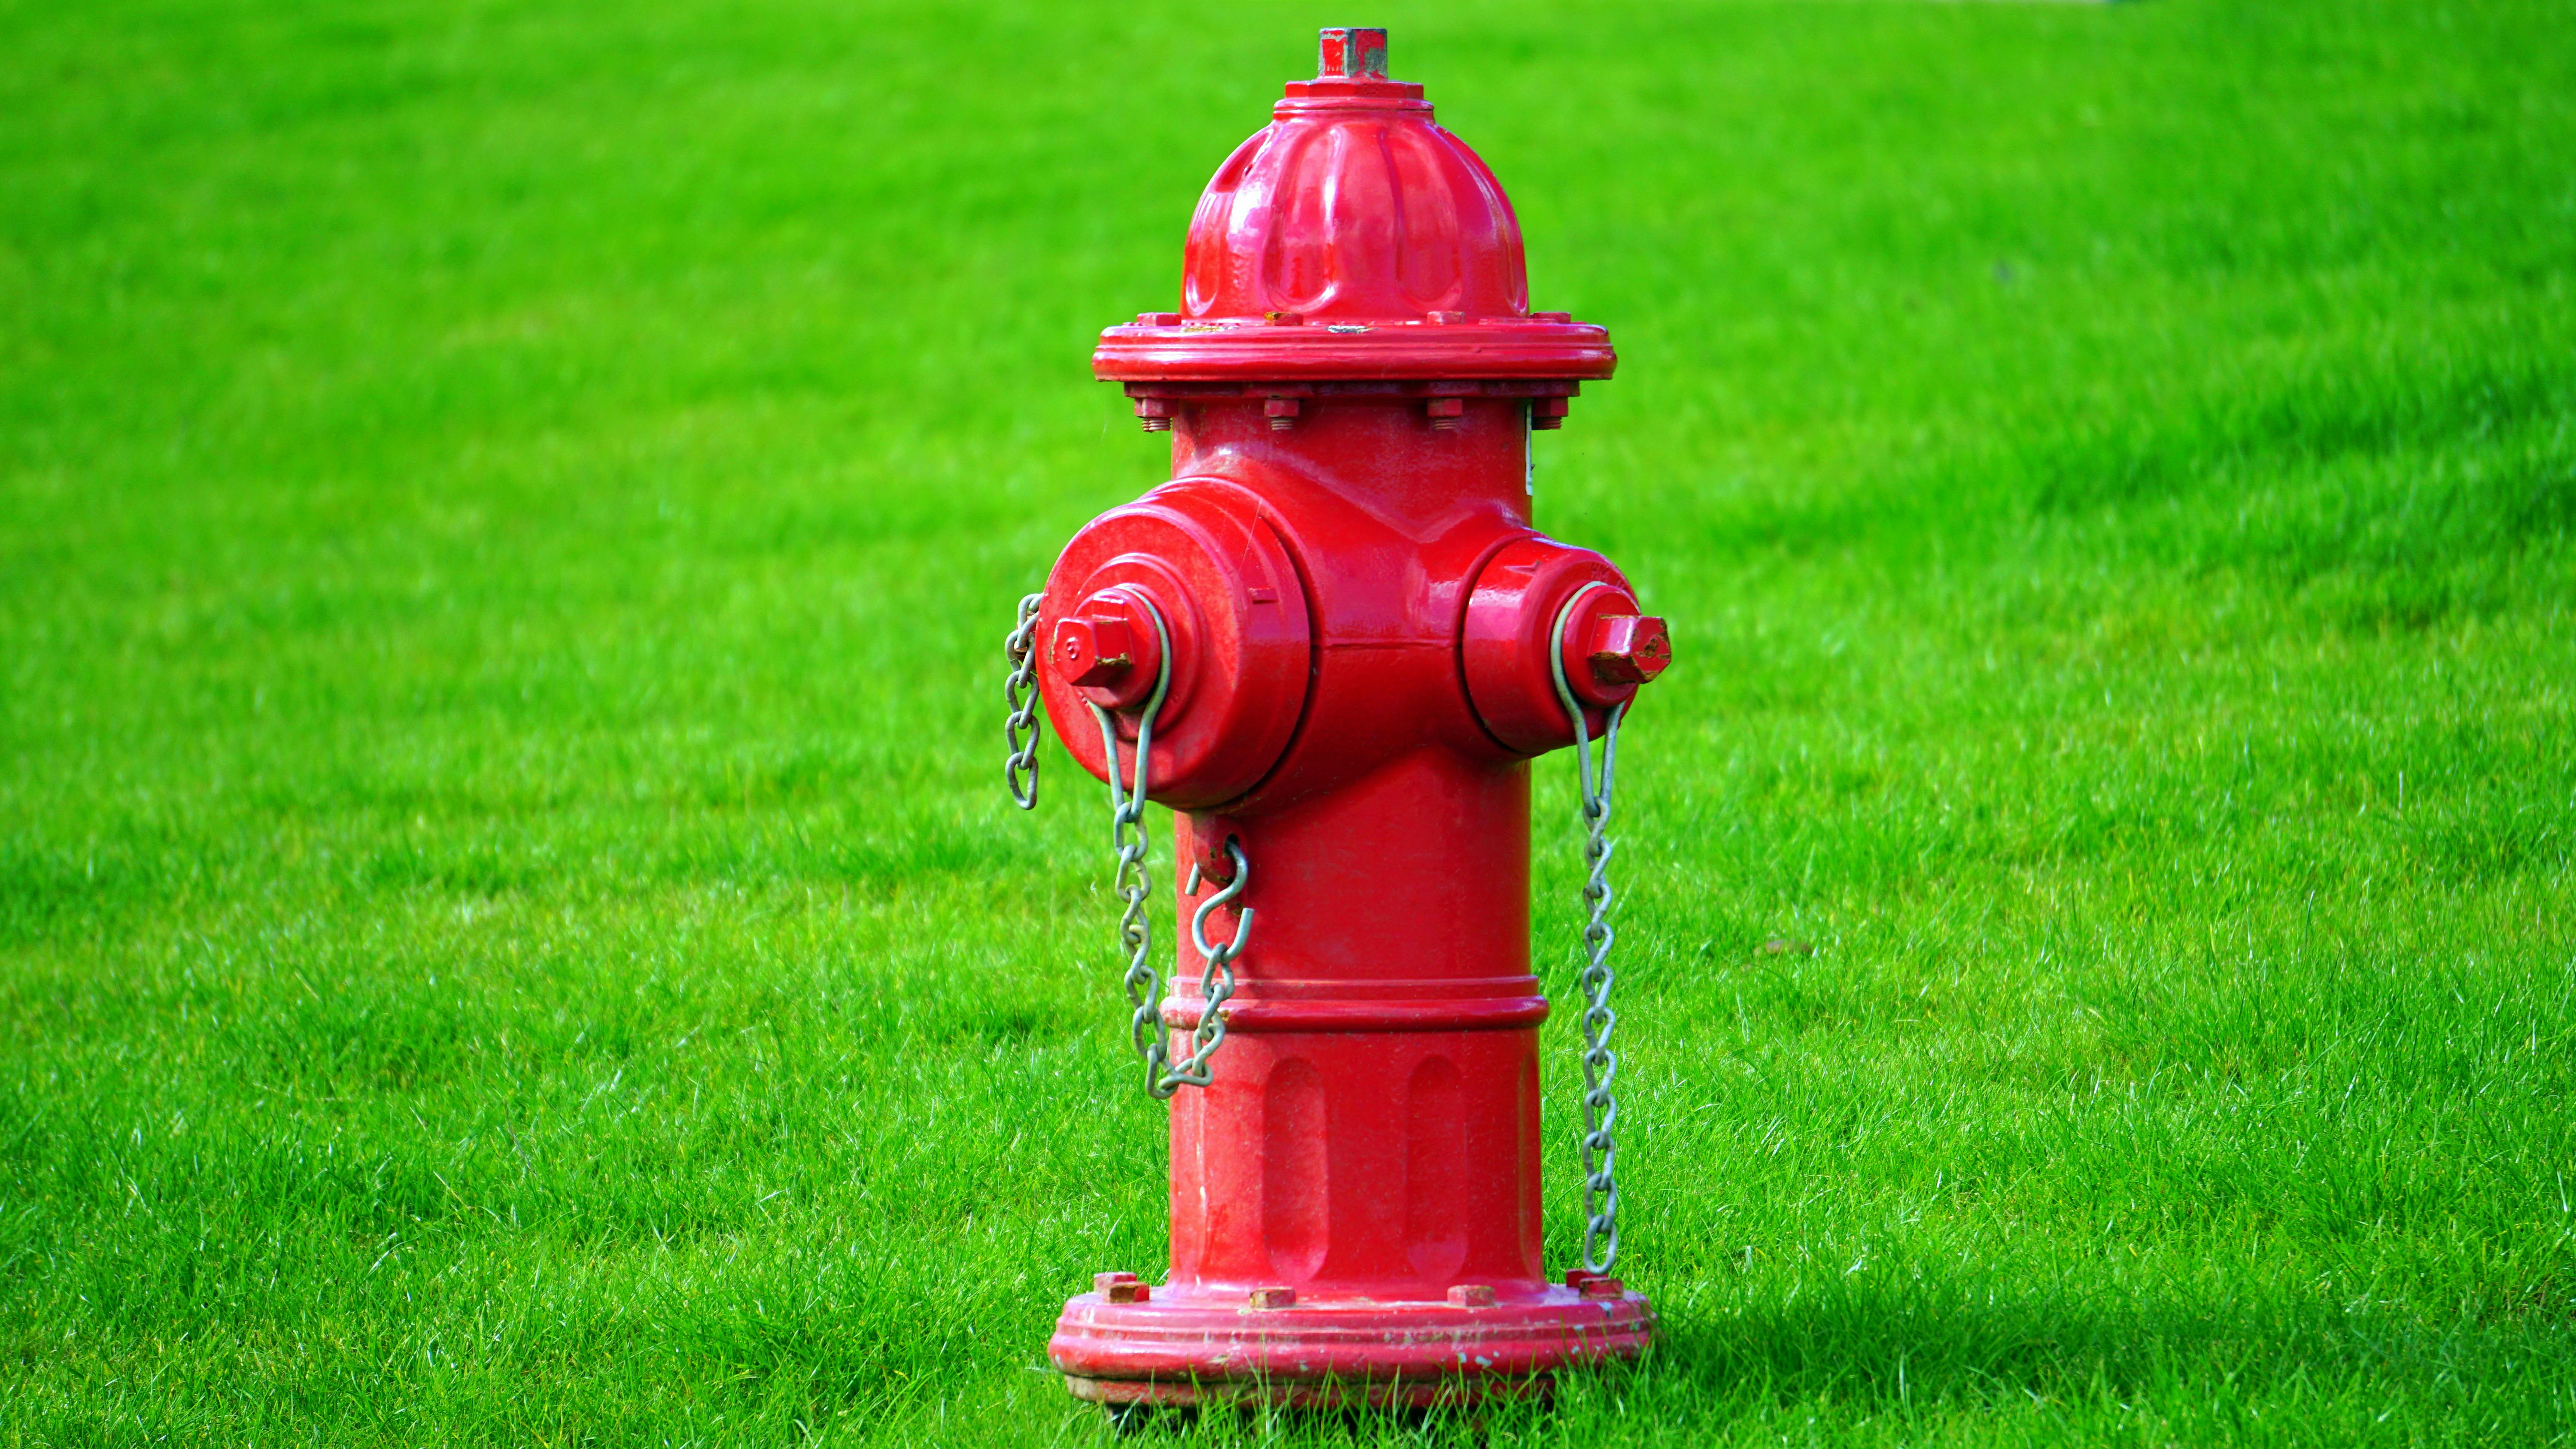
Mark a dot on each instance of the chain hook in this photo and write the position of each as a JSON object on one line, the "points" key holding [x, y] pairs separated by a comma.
{"points": [[1220, 955], [1216, 976]]}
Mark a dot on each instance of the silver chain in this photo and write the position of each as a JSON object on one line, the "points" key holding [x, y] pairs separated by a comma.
{"points": [[1020, 692], [1600, 1064], [1144, 984]]}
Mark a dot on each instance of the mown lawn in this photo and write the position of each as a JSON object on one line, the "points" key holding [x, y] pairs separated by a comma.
{"points": [[510, 932]]}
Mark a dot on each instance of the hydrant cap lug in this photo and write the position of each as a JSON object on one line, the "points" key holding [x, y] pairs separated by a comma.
{"points": [[1207, 855]]}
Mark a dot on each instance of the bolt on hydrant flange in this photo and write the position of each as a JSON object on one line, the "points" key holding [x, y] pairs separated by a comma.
{"points": [[1332, 645]]}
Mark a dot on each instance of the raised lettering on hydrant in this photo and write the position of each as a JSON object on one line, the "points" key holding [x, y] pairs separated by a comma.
{"points": [[1332, 644]]}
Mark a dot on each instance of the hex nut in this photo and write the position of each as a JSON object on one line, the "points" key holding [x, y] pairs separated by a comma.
{"points": [[1121, 1288], [1472, 1295], [1629, 649], [1273, 1297], [1092, 652]]}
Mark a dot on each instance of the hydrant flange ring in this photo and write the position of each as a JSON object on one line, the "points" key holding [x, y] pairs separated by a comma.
{"points": [[1240, 635]]}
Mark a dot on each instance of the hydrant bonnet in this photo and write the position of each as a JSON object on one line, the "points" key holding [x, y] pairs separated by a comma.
{"points": [[1354, 238]]}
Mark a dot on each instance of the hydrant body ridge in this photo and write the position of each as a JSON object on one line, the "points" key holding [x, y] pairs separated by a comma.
{"points": [[1349, 639]]}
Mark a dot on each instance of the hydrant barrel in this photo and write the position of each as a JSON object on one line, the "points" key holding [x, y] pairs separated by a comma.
{"points": [[1345, 643]]}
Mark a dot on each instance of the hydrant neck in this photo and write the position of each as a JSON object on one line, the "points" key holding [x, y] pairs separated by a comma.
{"points": [[1378, 453]]}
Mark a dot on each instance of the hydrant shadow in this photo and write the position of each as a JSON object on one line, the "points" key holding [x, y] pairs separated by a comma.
{"points": [[1892, 1349], [1248, 1423], [1902, 1348]]}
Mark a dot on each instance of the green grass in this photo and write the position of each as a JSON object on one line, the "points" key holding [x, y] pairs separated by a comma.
{"points": [[509, 928]]}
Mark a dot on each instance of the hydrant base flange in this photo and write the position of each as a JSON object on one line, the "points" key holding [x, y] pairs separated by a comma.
{"points": [[1206, 1348]]}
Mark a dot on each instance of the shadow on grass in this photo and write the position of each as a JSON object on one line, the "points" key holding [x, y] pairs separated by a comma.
{"points": [[1898, 1352], [1899, 1347]]}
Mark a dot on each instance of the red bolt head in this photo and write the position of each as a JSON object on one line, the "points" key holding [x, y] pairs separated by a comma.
{"points": [[1106, 647], [1273, 1297], [1472, 1295], [1629, 649], [1121, 1288], [1092, 652]]}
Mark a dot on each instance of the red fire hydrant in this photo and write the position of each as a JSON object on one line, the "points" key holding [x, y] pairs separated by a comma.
{"points": [[1331, 645]]}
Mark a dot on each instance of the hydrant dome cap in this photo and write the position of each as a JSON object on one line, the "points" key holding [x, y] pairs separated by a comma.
{"points": [[1352, 237]]}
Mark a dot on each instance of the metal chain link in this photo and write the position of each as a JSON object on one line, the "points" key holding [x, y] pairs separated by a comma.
{"points": [[1600, 1064], [1145, 1026], [1020, 692]]}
